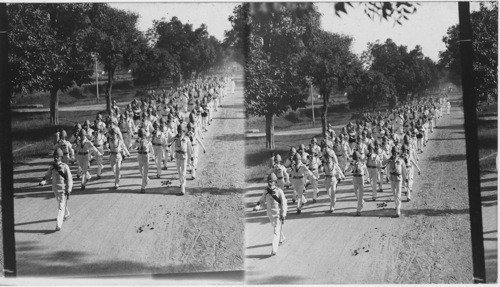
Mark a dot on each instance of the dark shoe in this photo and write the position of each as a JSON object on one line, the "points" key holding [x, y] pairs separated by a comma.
{"points": [[98, 177], [157, 176], [299, 211], [273, 253], [358, 213], [58, 228], [314, 200], [143, 190], [83, 187], [380, 190], [293, 200]]}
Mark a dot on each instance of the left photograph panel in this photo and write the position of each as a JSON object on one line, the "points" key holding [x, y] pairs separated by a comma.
{"points": [[127, 140]]}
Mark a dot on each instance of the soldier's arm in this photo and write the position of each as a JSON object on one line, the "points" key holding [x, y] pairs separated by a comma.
{"points": [[69, 181], [124, 148], [416, 165], [262, 200], [70, 150], [201, 143], [286, 176], [47, 176], [284, 204]]}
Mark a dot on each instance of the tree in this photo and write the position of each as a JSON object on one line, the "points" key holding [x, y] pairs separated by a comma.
{"points": [[114, 39], [372, 88], [327, 61], [485, 57], [274, 82], [152, 65], [384, 10], [47, 50], [236, 39]]}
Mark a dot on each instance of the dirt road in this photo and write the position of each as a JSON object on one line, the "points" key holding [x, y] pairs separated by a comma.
{"points": [[430, 243], [122, 232]]}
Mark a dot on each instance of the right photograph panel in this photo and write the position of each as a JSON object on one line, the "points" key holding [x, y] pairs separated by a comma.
{"points": [[356, 163]]}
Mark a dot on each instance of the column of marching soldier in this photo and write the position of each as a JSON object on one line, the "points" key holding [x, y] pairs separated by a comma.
{"points": [[378, 148], [168, 125]]}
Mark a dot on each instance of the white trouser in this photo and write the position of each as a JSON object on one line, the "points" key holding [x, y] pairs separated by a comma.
{"points": [[143, 160], [99, 159], [194, 162], [373, 173], [278, 235], [314, 183], [158, 149], [298, 186], [62, 207], [331, 189], [115, 160], [127, 139], [358, 184], [396, 191], [181, 162], [83, 164]]}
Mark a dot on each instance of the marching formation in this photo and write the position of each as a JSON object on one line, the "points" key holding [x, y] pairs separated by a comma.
{"points": [[166, 125], [378, 148]]}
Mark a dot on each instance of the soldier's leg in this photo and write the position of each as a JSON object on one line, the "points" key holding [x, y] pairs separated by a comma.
{"points": [[410, 182], [158, 160], [99, 163], [398, 185], [145, 168], [373, 181], [118, 170], [361, 192], [61, 204], [182, 175], [85, 166], [330, 192], [275, 222], [300, 194]]}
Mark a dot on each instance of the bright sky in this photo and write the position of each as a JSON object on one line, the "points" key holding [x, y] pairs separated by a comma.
{"points": [[425, 28]]}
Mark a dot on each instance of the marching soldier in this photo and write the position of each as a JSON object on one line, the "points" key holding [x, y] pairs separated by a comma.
{"points": [[194, 137], [144, 150], [332, 171], [116, 148], [373, 162], [83, 147], [62, 184], [299, 171], [409, 162], [397, 168], [182, 145], [314, 164], [358, 173], [275, 200], [280, 171], [66, 147], [99, 141], [159, 143]]}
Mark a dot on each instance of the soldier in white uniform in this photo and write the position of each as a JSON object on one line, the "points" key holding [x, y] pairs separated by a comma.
{"points": [[159, 142], [314, 164], [397, 169], [194, 137], [99, 141], [275, 200], [373, 163], [62, 185], [83, 147], [358, 172], [299, 171], [182, 145], [66, 147], [280, 171], [116, 148], [144, 150], [332, 171], [409, 162]]}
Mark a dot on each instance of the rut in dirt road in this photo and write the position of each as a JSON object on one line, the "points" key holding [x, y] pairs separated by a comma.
{"points": [[116, 232], [430, 243]]}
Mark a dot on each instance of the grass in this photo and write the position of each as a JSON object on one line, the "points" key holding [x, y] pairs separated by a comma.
{"points": [[487, 130], [256, 157], [32, 135], [85, 95]]}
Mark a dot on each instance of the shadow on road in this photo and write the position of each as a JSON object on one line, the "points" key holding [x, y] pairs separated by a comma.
{"points": [[449, 158]]}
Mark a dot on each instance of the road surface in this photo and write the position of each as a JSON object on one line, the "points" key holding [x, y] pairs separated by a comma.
{"points": [[430, 243], [122, 232]]}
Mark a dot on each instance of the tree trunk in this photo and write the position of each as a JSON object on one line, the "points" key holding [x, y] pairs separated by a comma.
{"points": [[324, 115], [110, 86], [270, 131], [54, 107]]}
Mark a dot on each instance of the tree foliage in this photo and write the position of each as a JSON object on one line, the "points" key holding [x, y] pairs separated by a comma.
{"points": [[47, 48], [485, 58], [397, 11], [113, 39], [410, 72], [274, 47], [193, 49]]}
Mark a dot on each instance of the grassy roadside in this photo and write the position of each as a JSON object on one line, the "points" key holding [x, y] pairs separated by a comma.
{"points": [[256, 156], [487, 130], [32, 135]]}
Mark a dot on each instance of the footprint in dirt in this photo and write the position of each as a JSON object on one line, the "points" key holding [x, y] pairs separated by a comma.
{"points": [[381, 205], [166, 182]]}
